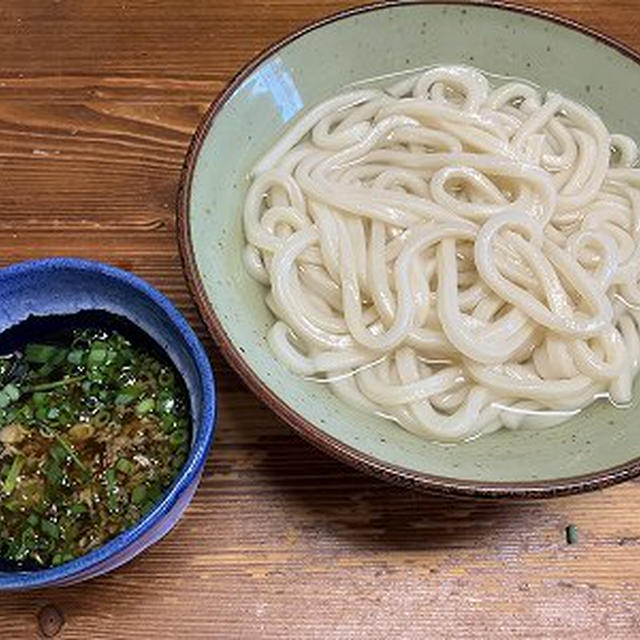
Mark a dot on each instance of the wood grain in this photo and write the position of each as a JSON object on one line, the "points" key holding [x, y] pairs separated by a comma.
{"points": [[98, 99]]}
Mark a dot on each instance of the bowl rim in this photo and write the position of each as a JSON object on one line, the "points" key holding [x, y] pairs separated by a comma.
{"points": [[365, 462], [190, 473]]}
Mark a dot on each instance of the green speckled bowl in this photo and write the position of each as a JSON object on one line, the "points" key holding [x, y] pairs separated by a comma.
{"points": [[599, 447]]}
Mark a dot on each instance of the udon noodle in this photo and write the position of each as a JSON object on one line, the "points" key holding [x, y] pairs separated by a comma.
{"points": [[455, 256]]}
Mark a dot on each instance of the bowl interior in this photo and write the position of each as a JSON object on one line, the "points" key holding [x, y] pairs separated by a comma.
{"points": [[372, 45]]}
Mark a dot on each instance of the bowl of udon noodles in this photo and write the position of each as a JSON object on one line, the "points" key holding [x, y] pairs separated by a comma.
{"points": [[414, 231]]}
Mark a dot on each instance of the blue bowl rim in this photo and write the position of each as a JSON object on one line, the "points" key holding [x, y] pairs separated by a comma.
{"points": [[199, 448]]}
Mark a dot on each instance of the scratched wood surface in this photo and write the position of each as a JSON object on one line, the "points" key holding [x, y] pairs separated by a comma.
{"points": [[98, 99]]}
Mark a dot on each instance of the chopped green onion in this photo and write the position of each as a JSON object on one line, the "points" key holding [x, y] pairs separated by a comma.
{"points": [[57, 359], [138, 494], [124, 466], [101, 419], [166, 402], [39, 353], [58, 452], [53, 473], [11, 505], [145, 406], [49, 528], [154, 493], [75, 356], [70, 450], [27, 539], [11, 480], [26, 412], [48, 386], [78, 508], [96, 375], [178, 437], [127, 395], [97, 354], [12, 391], [39, 398], [168, 423]]}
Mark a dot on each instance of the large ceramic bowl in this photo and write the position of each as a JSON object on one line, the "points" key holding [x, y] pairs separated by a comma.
{"points": [[62, 286], [600, 446]]}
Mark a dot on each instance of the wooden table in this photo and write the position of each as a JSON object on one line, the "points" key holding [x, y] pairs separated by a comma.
{"points": [[98, 99]]}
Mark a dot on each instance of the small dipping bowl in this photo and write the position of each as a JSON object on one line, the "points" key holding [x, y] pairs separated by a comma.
{"points": [[67, 286]]}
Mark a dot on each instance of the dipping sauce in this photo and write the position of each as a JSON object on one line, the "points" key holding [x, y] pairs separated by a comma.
{"points": [[94, 427]]}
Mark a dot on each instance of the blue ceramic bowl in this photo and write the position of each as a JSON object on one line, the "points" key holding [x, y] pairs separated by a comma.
{"points": [[60, 286]]}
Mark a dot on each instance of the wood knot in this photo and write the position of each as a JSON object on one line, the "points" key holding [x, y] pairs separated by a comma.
{"points": [[51, 620]]}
